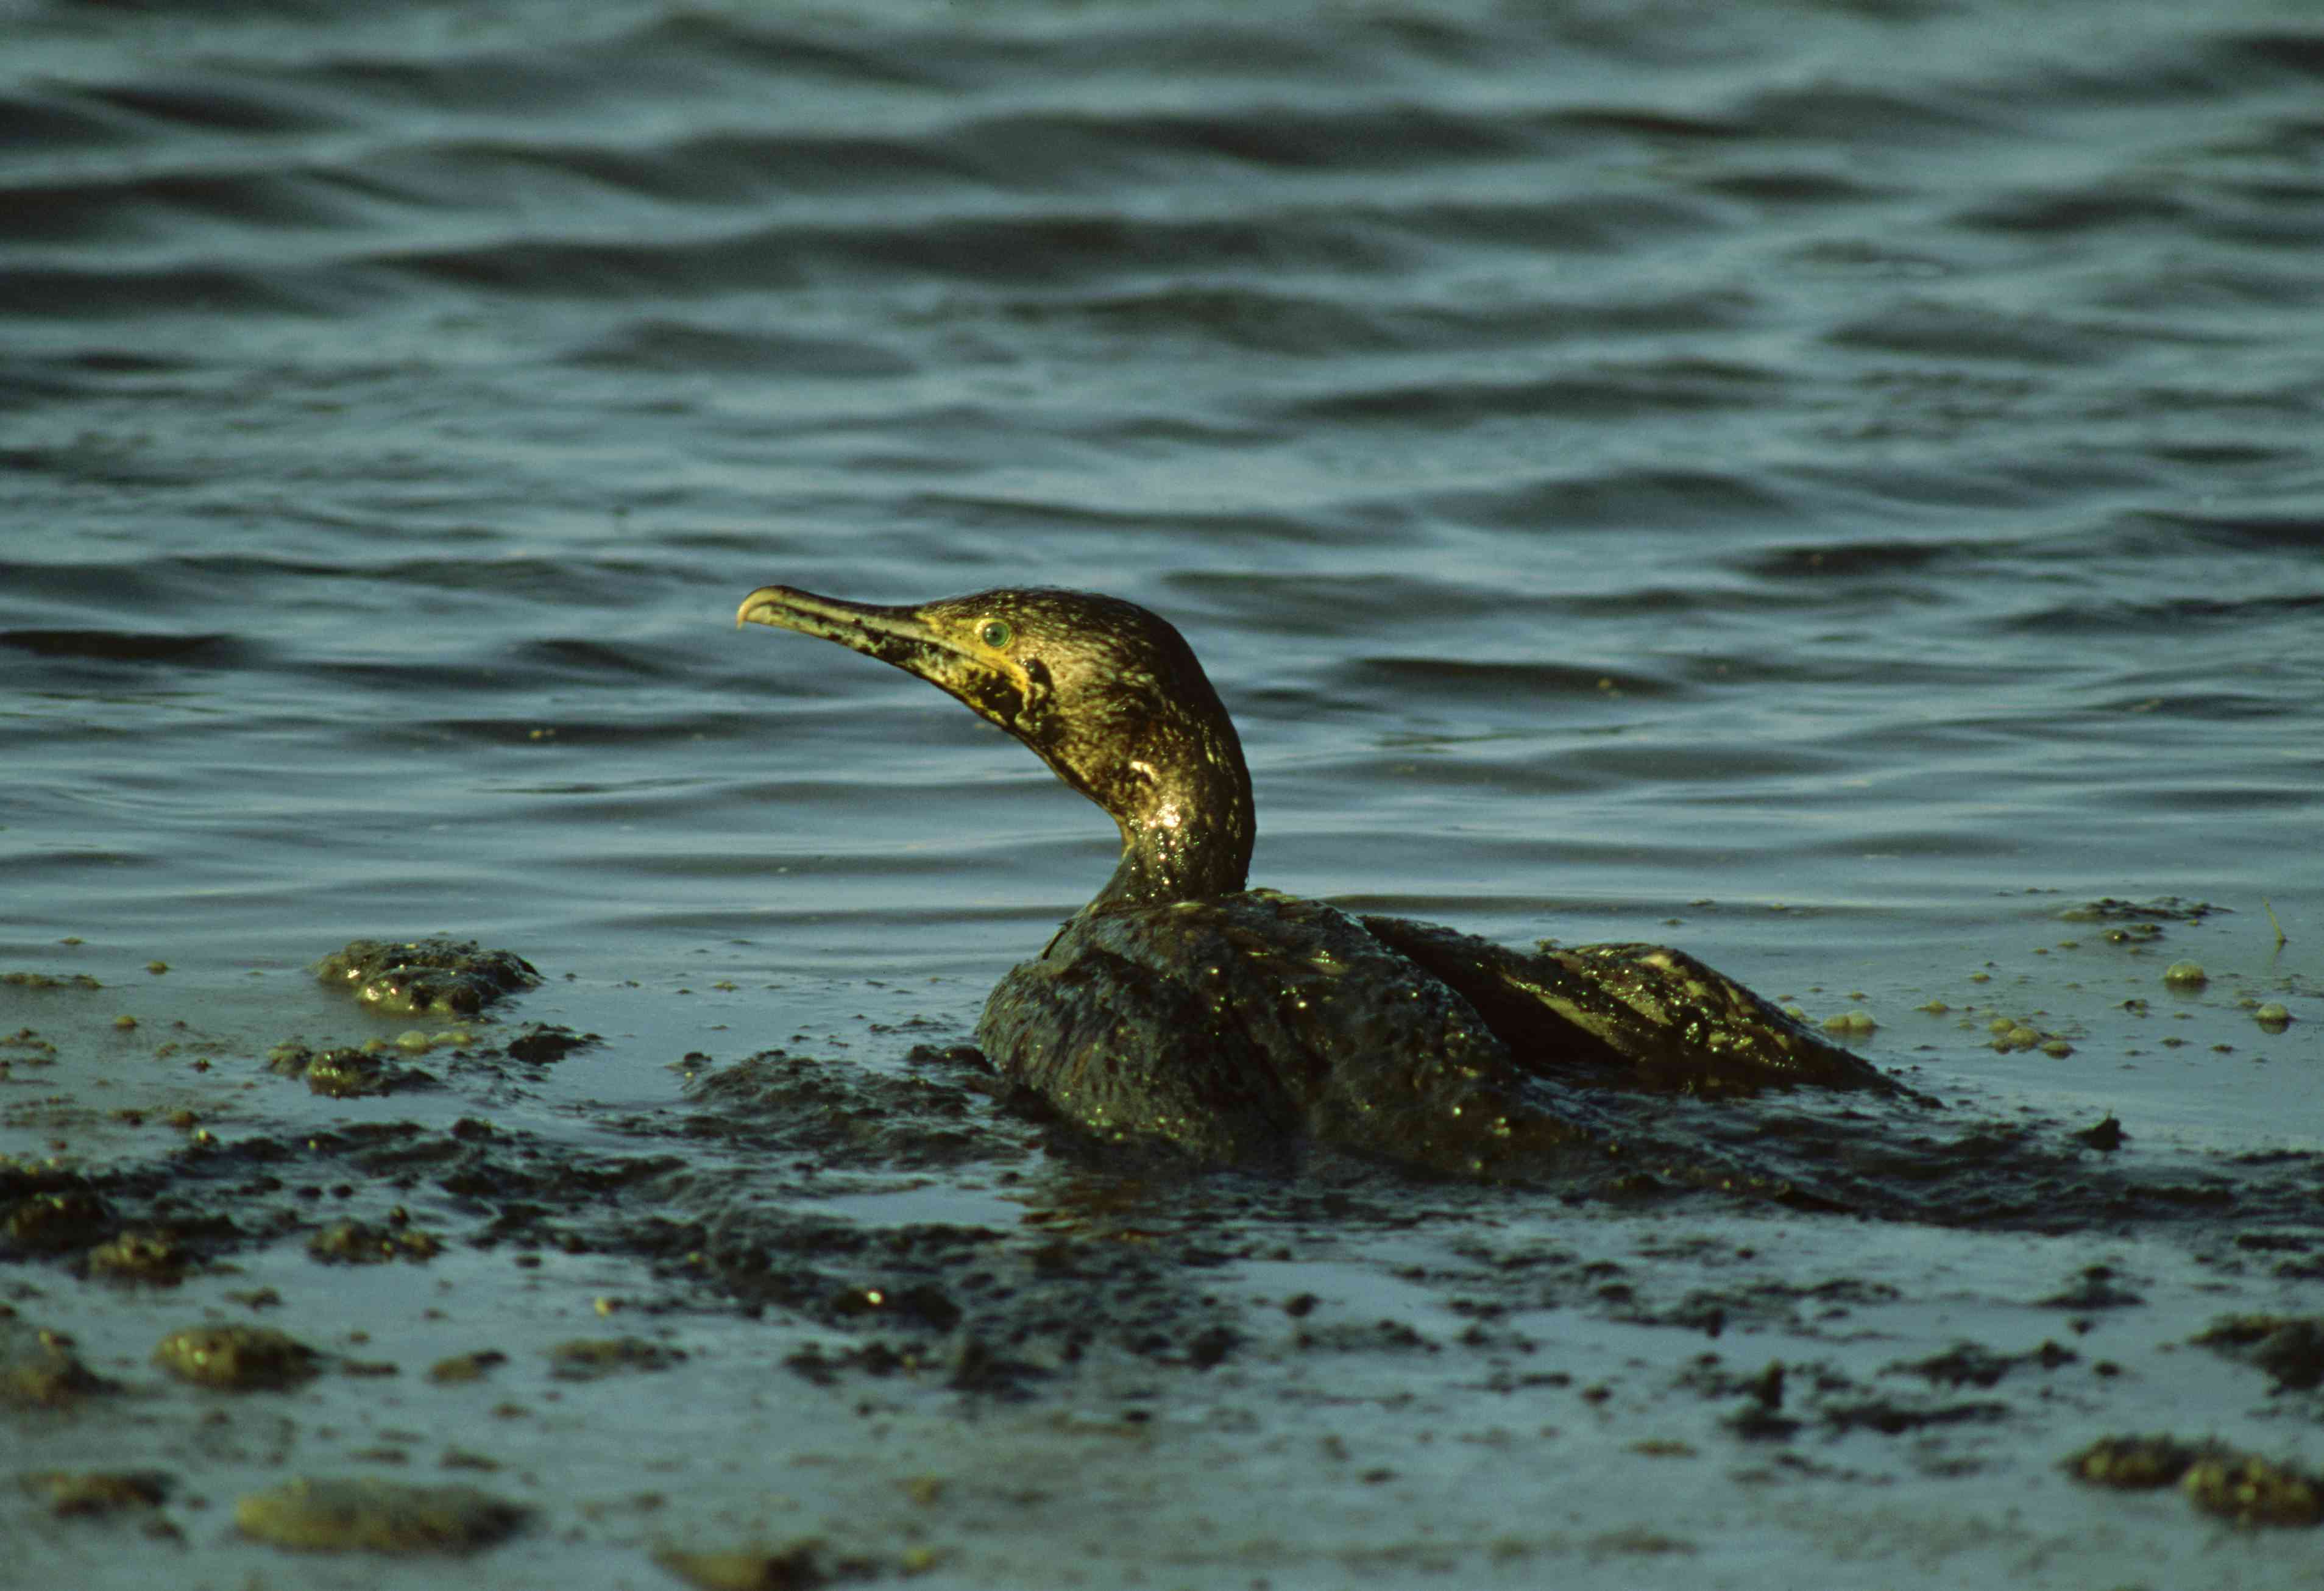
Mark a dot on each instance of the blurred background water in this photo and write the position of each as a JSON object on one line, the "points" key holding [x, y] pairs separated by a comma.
{"points": [[1860, 458]]}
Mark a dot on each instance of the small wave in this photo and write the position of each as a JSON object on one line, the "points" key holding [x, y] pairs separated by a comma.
{"points": [[1442, 678], [2076, 211], [1220, 531], [1602, 393], [582, 658], [1656, 126], [2290, 533], [1962, 332], [2179, 615], [69, 292], [244, 105], [1619, 499], [1847, 560], [1843, 113], [31, 119], [662, 344], [1796, 186], [213, 650], [150, 212]]}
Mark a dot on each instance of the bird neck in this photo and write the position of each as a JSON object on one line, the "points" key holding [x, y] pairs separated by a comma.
{"points": [[1188, 836]]}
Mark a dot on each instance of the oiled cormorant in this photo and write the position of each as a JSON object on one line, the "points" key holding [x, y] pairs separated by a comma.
{"points": [[1236, 1024]]}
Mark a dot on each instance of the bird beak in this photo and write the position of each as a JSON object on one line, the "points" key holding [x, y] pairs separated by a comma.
{"points": [[895, 635], [902, 637]]}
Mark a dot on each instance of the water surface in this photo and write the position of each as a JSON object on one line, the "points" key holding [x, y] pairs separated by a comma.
{"points": [[1830, 486]]}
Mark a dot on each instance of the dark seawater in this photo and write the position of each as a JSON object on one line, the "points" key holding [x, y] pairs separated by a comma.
{"points": [[1830, 485]]}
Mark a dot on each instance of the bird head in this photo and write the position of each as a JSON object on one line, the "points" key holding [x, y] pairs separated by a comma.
{"points": [[1105, 692]]}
